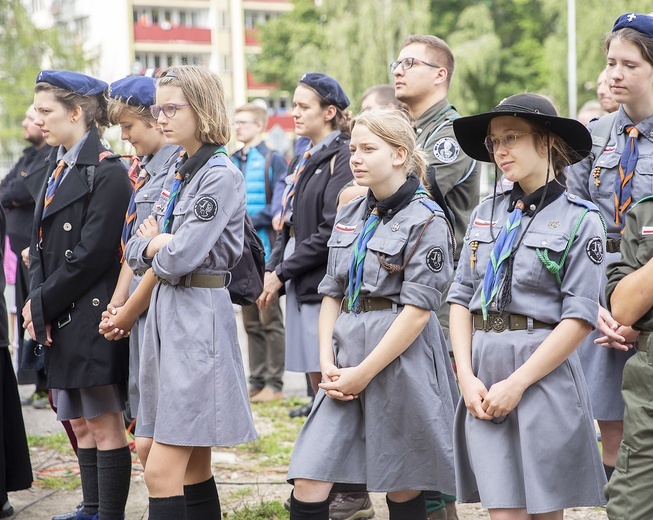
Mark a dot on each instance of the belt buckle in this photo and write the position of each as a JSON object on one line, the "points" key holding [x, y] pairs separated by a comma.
{"points": [[498, 323], [62, 322]]}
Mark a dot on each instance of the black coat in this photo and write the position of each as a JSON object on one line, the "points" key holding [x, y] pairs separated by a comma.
{"points": [[16, 198], [314, 213], [73, 272]]}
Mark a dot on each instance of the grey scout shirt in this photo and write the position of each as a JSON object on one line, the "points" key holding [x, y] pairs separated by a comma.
{"points": [[458, 175]]}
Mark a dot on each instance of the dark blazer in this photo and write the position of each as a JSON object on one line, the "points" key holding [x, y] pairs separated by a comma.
{"points": [[74, 270], [314, 213]]}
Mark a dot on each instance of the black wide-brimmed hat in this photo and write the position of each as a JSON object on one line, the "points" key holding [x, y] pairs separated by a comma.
{"points": [[472, 130]]}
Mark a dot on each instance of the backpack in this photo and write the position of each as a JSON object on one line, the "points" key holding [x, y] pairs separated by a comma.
{"points": [[246, 283], [246, 280]]}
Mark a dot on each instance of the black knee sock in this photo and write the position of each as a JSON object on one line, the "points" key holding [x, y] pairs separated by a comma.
{"points": [[202, 501], [167, 508], [414, 509], [114, 469], [609, 470], [88, 472], [308, 510]]}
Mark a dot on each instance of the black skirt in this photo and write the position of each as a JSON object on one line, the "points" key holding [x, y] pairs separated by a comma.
{"points": [[15, 466]]}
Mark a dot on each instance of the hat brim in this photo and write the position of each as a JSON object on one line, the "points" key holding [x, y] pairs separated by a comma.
{"points": [[471, 132]]}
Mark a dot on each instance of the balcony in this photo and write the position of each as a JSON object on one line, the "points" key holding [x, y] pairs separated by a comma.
{"points": [[166, 32]]}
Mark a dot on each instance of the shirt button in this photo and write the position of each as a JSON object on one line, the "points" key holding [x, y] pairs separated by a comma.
{"points": [[68, 254], [67, 226], [532, 207], [145, 196], [95, 302], [339, 240], [543, 242]]}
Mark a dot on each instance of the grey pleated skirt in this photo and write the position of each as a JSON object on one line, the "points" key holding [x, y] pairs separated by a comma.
{"points": [[74, 403]]}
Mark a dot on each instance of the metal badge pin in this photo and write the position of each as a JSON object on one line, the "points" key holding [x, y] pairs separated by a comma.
{"points": [[395, 227], [67, 226], [554, 224]]}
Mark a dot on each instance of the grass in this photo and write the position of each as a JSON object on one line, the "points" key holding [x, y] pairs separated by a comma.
{"points": [[262, 511], [55, 441], [274, 447]]}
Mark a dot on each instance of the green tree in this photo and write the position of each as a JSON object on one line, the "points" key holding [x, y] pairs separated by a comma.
{"points": [[24, 49]]}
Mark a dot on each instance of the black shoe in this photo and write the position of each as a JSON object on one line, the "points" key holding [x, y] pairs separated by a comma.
{"points": [[7, 510], [302, 411], [70, 515]]}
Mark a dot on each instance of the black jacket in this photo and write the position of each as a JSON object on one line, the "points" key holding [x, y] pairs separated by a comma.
{"points": [[73, 272], [16, 197], [314, 213]]}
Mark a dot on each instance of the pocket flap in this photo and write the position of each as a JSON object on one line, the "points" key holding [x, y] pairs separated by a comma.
{"points": [[342, 238], [546, 241], [608, 160], [386, 245], [483, 234]]}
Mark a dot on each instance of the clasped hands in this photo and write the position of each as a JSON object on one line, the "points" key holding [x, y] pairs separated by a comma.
{"points": [[502, 397], [615, 335], [343, 384]]}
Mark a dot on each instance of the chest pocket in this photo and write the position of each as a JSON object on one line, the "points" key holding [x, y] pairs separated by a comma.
{"points": [[643, 181], [609, 164], [389, 248], [644, 251], [481, 243], [529, 269], [341, 247]]}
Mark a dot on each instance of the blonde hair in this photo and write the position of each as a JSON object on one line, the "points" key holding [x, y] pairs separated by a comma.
{"points": [[117, 108], [393, 127], [203, 90], [259, 113]]}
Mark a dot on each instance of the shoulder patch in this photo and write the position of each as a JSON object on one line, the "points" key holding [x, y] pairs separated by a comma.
{"points": [[594, 249], [217, 160], [206, 208], [446, 150], [581, 202], [435, 259]]}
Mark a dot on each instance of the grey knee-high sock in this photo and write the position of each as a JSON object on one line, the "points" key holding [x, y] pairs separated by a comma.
{"points": [[114, 474], [88, 473], [202, 501], [167, 508], [414, 509]]}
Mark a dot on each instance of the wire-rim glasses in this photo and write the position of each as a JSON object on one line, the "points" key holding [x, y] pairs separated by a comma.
{"points": [[407, 63], [168, 109], [508, 140]]}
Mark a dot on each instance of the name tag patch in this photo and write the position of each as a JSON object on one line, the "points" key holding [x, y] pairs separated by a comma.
{"points": [[484, 223], [346, 229], [162, 201], [647, 230]]}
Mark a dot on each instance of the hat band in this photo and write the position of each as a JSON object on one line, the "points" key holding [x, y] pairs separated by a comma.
{"points": [[517, 108]]}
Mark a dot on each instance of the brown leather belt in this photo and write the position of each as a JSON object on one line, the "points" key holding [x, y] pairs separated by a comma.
{"points": [[499, 323], [613, 245], [204, 281], [372, 304], [642, 341]]}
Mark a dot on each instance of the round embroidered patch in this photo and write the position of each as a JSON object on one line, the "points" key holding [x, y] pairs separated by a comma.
{"points": [[594, 249], [446, 150], [435, 259], [206, 208]]}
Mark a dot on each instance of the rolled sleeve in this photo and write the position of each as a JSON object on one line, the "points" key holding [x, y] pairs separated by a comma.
{"points": [[329, 286]]}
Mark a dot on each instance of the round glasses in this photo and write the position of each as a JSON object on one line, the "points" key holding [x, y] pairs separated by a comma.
{"points": [[168, 109], [508, 140], [407, 63]]}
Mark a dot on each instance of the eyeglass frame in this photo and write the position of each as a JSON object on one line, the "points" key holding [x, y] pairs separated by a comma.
{"points": [[156, 110], [395, 64], [501, 141]]}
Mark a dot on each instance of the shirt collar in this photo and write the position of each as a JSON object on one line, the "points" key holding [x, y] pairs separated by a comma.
{"points": [[553, 190], [433, 113], [70, 156]]}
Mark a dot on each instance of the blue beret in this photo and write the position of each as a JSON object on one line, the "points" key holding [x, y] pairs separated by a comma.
{"points": [[327, 87], [73, 81], [640, 22], [137, 91]]}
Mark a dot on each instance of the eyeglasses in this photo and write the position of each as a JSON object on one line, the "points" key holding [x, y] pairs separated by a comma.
{"points": [[407, 63], [508, 140], [168, 109], [238, 122]]}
